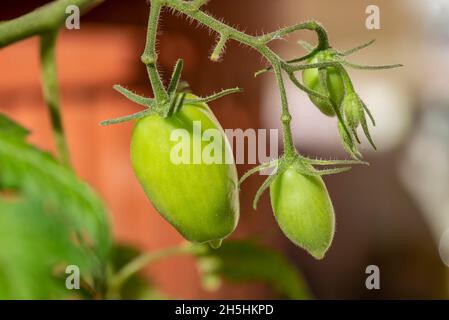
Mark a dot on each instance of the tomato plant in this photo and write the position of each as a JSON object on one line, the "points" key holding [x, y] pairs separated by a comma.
{"points": [[200, 201]]}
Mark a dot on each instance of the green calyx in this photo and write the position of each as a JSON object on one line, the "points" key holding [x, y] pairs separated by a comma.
{"points": [[176, 92], [355, 110], [302, 164]]}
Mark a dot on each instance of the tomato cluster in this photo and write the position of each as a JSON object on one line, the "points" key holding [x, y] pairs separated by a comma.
{"points": [[201, 200]]}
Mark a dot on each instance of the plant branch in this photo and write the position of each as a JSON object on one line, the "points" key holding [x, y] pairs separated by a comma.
{"points": [[214, 96], [40, 21], [116, 281], [226, 32], [51, 93], [149, 56], [289, 148], [323, 42]]}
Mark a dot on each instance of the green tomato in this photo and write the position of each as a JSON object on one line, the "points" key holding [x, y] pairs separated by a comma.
{"points": [[200, 200], [304, 211], [335, 84]]}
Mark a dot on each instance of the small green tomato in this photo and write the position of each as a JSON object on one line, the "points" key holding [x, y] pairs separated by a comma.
{"points": [[304, 211]]}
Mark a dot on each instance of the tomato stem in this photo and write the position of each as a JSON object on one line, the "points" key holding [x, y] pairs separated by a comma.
{"points": [[45, 19], [149, 56], [117, 280], [226, 32], [286, 118], [50, 90]]}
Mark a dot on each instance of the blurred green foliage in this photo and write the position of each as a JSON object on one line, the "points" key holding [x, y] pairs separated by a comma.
{"points": [[48, 219], [243, 261], [136, 287]]}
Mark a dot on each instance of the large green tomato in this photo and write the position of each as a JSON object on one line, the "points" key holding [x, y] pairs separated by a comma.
{"points": [[335, 85], [304, 211], [199, 199]]}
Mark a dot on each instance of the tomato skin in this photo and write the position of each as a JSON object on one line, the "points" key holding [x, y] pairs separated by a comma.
{"points": [[199, 200], [335, 85], [304, 211]]}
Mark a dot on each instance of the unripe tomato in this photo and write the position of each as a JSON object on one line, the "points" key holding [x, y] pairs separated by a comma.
{"points": [[199, 200], [335, 85], [304, 211]]}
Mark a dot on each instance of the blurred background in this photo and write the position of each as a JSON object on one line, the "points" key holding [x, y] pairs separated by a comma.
{"points": [[393, 214]]}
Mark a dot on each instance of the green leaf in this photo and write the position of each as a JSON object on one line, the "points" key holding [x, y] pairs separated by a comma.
{"points": [[48, 219], [12, 129], [34, 253], [238, 261]]}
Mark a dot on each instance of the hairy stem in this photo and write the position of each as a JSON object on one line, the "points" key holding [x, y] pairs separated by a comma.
{"points": [[149, 56], [51, 93], [286, 117], [323, 41], [260, 44]]}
